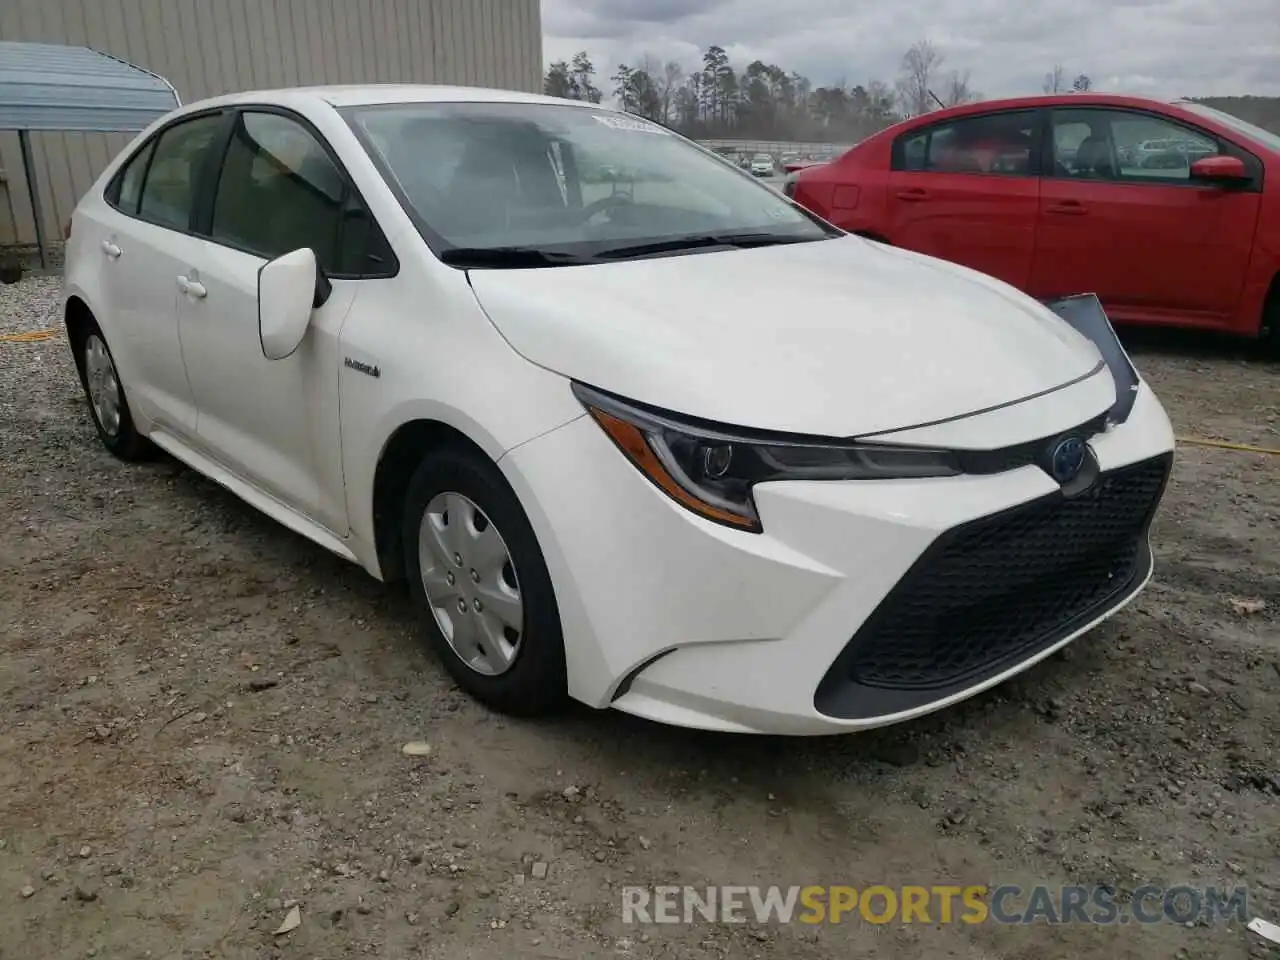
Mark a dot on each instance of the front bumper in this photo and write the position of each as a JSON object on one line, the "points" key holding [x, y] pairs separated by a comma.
{"points": [[860, 605]]}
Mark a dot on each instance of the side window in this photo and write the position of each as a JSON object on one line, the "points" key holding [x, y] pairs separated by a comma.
{"points": [[362, 249], [995, 143], [279, 192], [126, 189], [915, 152], [1125, 146], [170, 188]]}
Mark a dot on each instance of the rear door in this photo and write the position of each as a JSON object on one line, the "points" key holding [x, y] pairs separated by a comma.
{"points": [[967, 190], [144, 242], [1120, 216]]}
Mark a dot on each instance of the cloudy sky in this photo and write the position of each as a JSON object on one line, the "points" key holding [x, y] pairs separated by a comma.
{"points": [[1165, 48]]}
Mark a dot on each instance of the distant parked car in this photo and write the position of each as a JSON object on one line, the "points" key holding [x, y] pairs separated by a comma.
{"points": [[1170, 212], [762, 165]]}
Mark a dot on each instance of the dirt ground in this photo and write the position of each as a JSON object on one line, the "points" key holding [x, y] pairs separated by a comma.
{"points": [[202, 715]]}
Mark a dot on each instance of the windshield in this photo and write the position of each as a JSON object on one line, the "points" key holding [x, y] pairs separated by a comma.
{"points": [[1264, 137], [573, 181]]}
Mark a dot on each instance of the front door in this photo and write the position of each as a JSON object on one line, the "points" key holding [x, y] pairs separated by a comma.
{"points": [[1121, 217], [273, 422], [966, 190]]}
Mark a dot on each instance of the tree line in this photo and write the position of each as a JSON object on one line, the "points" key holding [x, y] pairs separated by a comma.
{"points": [[766, 101]]}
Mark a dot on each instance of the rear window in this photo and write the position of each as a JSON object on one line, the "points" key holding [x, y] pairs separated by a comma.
{"points": [[1000, 143]]}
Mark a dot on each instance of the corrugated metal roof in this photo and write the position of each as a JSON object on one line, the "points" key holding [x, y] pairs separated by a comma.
{"points": [[46, 86]]}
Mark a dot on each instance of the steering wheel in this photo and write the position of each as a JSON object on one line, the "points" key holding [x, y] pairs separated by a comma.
{"points": [[603, 204]]}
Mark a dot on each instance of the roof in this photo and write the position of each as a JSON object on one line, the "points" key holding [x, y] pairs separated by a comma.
{"points": [[1066, 99], [51, 87], [384, 93], [371, 93], [1088, 98]]}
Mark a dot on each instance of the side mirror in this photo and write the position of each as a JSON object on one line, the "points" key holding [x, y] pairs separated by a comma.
{"points": [[1220, 169], [289, 288]]}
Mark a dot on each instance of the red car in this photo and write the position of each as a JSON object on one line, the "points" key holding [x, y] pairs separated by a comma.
{"points": [[1169, 212]]}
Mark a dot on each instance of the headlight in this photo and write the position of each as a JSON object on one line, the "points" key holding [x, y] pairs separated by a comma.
{"points": [[711, 470]]}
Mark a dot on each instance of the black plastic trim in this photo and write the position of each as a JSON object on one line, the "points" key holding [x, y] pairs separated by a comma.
{"points": [[991, 409], [1085, 313], [589, 394], [839, 696], [625, 686]]}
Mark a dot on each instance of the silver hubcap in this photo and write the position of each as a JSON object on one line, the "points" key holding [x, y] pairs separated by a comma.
{"points": [[470, 582], [104, 388]]}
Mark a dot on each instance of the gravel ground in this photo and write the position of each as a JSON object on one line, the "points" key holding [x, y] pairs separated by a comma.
{"points": [[202, 715]]}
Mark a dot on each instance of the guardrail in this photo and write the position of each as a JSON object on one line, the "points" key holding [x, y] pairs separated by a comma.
{"points": [[778, 148]]}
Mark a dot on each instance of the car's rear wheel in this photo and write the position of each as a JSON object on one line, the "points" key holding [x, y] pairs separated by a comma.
{"points": [[478, 577], [108, 403], [1271, 319]]}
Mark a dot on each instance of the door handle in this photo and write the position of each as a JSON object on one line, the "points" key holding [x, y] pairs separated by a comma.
{"points": [[914, 194], [111, 250], [1071, 207], [192, 288]]}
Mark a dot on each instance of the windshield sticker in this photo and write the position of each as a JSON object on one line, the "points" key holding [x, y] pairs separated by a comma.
{"points": [[627, 123]]}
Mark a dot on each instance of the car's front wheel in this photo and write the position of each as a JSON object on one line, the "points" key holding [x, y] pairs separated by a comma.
{"points": [[478, 577], [108, 404]]}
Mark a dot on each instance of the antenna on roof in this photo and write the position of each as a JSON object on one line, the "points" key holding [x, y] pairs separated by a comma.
{"points": [[940, 104]]}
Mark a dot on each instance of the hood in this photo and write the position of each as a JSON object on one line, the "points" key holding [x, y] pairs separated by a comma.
{"points": [[834, 338]]}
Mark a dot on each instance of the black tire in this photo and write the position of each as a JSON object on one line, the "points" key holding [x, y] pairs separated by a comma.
{"points": [[125, 443], [1271, 322], [535, 684]]}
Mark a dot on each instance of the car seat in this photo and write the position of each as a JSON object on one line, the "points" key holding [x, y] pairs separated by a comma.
{"points": [[1095, 157]]}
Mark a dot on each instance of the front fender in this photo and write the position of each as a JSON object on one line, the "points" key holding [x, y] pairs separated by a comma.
{"points": [[363, 452]]}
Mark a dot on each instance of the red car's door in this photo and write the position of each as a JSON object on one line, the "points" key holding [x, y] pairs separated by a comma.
{"points": [[1120, 216], [967, 190]]}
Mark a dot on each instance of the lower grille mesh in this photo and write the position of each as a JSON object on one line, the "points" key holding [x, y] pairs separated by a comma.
{"points": [[994, 590]]}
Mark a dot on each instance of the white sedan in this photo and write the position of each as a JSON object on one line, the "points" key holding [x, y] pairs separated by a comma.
{"points": [[681, 449]]}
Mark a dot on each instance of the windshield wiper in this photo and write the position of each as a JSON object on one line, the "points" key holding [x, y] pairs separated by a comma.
{"points": [[516, 258], [696, 241], [509, 258]]}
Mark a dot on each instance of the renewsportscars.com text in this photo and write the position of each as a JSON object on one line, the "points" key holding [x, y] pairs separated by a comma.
{"points": [[971, 904]]}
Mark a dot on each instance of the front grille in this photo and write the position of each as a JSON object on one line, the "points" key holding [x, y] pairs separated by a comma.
{"points": [[991, 592]]}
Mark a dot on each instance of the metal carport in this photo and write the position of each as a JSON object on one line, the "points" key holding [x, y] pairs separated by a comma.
{"points": [[47, 86]]}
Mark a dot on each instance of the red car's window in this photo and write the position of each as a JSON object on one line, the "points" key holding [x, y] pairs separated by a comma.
{"points": [[1002, 143], [1125, 145]]}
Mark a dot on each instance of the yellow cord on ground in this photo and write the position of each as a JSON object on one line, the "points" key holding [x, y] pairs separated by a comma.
{"points": [[1224, 445], [29, 336]]}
